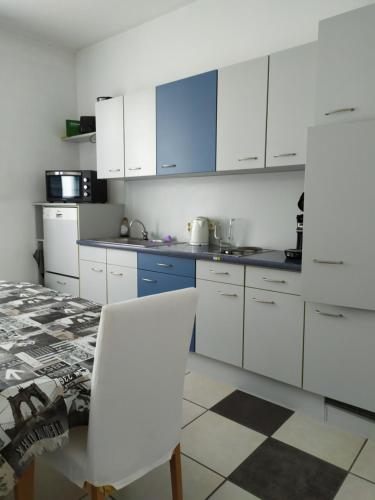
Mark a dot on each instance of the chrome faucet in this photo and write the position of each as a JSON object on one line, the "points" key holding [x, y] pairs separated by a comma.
{"points": [[143, 230]]}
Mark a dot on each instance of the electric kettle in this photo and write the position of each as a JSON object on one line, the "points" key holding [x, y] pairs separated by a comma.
{"points": [[199, 231]]}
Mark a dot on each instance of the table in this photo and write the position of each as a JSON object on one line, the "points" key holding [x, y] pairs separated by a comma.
{"points": [[47, 346]]}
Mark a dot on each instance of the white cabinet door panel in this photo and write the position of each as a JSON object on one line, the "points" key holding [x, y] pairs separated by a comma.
{"points": [[219, 321], [222, 272], [62, 284], [140, 133], [241, 115], [110, 154], [276, 280], [121, 283], [291, 104], [346, 67], [273, 336], [339, 354], [338, 246], [93, 281], [94, 254], [124, 258]]}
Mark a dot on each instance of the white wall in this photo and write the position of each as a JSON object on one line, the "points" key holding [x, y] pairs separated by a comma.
{"points": [[204, 35], [37, 89]]}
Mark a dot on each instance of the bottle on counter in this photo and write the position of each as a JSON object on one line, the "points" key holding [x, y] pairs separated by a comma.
{"points": [[124, 228]]}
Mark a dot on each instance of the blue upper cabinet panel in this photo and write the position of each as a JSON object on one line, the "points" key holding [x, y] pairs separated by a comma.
{"points": [[186, 125]]}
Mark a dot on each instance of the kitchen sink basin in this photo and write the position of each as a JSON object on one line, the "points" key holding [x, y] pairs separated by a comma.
{"points": [[133, 242]]}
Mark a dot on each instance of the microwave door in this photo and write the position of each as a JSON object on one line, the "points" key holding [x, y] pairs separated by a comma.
{"points": [[71, 187]]}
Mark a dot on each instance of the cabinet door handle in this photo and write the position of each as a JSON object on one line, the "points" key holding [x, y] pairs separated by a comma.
{"points": [[135, 168], [161, 264], [273, 281], [61, 282], [340, 110], [260, 301], [331, 315], [114, 170], [148, 280], [117, 274], [284, 155], [59, 214], [96, 269], [334, 262], [222, 273], [246, 158], [169, 165], [228, 294]]}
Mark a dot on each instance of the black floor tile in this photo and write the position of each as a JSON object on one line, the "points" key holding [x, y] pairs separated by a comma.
{"points": [[277, 471], [253, 412]]}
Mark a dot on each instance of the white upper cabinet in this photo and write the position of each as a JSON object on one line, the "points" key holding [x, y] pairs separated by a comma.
{"points": [[291, 104], [110, 138], [140, 133], [241, 115], [346, 67], [338, 247]]}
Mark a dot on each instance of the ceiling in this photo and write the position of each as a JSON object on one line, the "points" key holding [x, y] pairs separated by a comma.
{"points": [[77, 23]]}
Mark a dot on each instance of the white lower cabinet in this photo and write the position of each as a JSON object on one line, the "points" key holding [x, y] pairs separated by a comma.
{"points": [[339, 354], [219, 323], [273, 335], [62, 284], [93, 281], [121, 283]]}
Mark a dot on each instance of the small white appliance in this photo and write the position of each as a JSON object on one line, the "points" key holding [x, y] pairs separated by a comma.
{"points": [[199, 231]]}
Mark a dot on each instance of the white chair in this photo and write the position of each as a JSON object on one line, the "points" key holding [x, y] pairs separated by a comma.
{"points": [[136, 399]]}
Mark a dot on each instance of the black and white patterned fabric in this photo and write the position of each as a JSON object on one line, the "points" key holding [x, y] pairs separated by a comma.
{"points": [[47, 346]]}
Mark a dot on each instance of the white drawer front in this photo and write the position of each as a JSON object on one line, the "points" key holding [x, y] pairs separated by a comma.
{"points": [[93, 281], [121, 283], [220, 272], [93, 254], [273, 279], [62, 284], [339, 354], [122, 258]]}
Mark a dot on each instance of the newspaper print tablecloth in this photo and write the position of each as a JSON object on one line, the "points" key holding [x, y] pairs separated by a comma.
{"points": [[47, 345]]}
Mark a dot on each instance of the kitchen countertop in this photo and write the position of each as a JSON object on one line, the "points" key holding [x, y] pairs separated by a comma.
{"points": [[268, 258]]}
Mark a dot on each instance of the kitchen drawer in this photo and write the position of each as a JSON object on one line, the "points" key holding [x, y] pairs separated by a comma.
{"points": [[93, 281], [273, 336], [62, 284], [165, 264], [339, 354], [150, 282], [273, 279], [220, 272], [93, 254], [121, 283], [122, 258]]}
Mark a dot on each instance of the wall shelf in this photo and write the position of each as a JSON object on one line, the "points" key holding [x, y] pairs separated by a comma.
{"points": [[90, 137]]}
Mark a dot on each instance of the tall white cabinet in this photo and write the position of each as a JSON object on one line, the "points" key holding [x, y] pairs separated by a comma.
{"points": [[241, 115], [346, 67], [291, 104]]}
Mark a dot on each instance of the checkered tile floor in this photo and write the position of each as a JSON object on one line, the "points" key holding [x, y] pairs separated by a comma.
{"points": [[239, 447]]}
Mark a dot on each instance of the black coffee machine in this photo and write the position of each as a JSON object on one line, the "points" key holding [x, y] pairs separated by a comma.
{"points": [[296, 253]]}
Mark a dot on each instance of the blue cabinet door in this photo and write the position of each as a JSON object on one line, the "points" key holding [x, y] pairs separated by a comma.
{"points": [[166, 264], [186, 125], [150, 283]]}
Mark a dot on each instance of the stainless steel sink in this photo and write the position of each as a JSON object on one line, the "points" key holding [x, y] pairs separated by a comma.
{"points": [[133, 242]]}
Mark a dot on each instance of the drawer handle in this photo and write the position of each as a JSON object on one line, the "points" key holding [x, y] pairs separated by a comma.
{"points": [[228, 294], [331, 315], [117, 274], [222, 273], [148, 280], [61, 282], [273, 281], [335, 262], [59, 214], [135, 168], [341, 110], [114, 170], [260, 301], [169, 165], [161, 264], [284, 155], [246, 158], [97, 270]]}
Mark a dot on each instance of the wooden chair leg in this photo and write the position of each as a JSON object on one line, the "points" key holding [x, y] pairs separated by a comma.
{"points": [[96, 493], [24, 489], [176, 474]]}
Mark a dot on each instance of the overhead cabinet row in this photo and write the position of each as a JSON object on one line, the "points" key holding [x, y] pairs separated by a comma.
{"points": [[219, 120]]}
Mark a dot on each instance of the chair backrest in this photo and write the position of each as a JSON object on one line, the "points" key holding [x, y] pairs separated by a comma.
{"points": [[137, 385]]}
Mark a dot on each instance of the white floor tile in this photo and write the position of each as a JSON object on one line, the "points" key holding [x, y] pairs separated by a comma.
{"points": [[219, 443], [198, 483], [205, 391], [190, 412], [364, 466], [355, 488], [230, 491], [321, 440]]}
